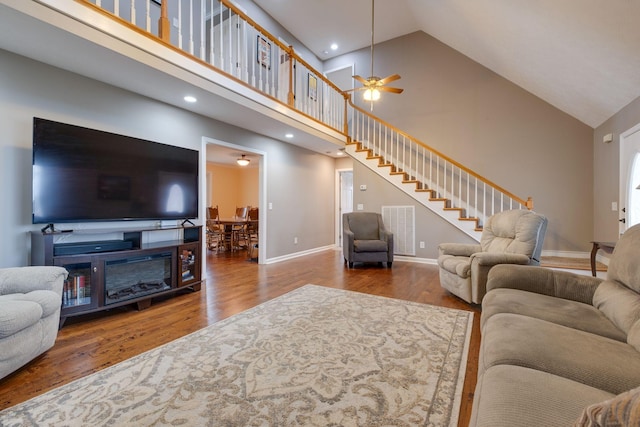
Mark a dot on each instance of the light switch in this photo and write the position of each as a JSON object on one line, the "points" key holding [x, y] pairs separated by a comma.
{"points": [[270, 206], [614, 206]]}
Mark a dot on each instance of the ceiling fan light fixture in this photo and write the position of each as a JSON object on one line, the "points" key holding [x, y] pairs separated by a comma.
{"points": [[371, 95], [243, 161]]}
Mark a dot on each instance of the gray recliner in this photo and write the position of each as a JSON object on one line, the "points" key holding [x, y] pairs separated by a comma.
{"points": [[365, 238], [509, 237]]}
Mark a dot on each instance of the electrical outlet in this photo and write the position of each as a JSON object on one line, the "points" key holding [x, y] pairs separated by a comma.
{"points": [[421, 245], [270, 205], [295, 240], [614, 206], [360, 207]]}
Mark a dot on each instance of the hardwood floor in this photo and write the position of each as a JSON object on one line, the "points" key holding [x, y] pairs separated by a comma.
{"points": [[90, 343]]}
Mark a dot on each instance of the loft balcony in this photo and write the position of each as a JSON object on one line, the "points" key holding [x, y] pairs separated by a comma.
{"points": [[239, 73]]}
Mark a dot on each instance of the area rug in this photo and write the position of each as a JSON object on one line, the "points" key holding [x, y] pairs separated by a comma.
{"points": [[313, 357]]}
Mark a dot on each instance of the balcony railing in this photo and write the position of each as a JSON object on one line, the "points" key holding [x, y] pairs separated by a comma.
{"points": [[219, 34]]}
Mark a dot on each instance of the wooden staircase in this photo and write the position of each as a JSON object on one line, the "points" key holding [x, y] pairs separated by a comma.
{"points": [[417, 189]]}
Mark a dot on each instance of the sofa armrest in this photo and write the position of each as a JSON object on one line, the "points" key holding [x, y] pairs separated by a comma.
{"points": [[494, 258], [347, 243], [26, 279], [560, 284], [458, 249]]}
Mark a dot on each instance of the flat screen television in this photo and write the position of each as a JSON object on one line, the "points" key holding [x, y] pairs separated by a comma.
{"points": [[82, 174]]}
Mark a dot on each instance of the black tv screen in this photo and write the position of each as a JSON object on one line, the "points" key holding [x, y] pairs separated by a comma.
{"points": [[82, 174]]}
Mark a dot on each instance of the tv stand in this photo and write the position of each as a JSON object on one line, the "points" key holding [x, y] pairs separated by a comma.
{"points": [[114, 267]]}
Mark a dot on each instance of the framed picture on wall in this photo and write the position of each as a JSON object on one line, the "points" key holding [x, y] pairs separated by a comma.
{"points": [[264, 52], [313, 87]]}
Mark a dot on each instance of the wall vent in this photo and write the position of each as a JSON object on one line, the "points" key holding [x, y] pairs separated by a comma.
{"points": [[400, 220]]}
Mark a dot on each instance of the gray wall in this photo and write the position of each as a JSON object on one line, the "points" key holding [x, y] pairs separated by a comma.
{"points": [[492, 126], [429, 227], [299, 183], [606, 175]]}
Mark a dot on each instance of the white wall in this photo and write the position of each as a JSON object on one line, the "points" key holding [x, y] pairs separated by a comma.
{"points": [[299, 182]]}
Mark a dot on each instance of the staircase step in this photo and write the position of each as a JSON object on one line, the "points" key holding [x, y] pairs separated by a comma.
{"points": [[401, 179]]}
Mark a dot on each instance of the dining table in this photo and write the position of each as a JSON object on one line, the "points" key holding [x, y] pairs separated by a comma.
{"points": [[228, 224]]}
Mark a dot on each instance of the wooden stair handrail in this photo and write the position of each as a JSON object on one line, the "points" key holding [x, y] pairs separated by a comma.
{"points": [[527, 203]]}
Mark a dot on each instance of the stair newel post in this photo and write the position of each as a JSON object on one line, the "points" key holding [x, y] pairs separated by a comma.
{"points": [[346, 115], [291, 96], [164, 29], [529, 203]]}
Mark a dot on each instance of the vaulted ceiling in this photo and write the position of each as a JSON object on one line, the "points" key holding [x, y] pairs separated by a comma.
{"points": [[582, 56]]}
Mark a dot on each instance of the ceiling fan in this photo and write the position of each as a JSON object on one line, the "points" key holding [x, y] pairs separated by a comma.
{"points": [[373, 85]]}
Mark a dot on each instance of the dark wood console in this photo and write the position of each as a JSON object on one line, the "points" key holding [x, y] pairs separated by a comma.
{"points": [[114, 267]]}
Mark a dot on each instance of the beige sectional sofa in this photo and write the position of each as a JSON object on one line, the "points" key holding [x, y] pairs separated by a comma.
{"points": [[559, 349], [30, 301]]}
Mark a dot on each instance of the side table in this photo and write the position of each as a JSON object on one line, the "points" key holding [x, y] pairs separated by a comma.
{"points": [[605, 246]]}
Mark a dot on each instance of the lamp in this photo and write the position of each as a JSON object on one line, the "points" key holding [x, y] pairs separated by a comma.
{"points": [[243, 161], [371, 95]]}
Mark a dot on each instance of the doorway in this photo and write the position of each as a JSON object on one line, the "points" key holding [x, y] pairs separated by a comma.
{"points": [[344, 202], [630, 178], [225, 152]]}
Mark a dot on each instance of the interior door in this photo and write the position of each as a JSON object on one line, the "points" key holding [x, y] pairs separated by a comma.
{"points": [[630, 178], [346, 199]]}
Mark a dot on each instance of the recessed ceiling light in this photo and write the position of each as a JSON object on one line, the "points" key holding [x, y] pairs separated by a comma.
{"points": [[340, 153], [334, 46], [190, 98], [288, 135]]}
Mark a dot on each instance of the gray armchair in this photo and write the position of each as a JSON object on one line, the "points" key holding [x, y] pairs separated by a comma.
{"points": [[509, 237], [365, 238], [30, 302]]}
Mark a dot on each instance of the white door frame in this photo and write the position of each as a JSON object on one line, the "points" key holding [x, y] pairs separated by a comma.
{"points": [[338, 204], [625, 171]]}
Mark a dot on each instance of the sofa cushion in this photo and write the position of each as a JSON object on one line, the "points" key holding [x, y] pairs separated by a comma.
{"points": [[621, 410], [508, 396], [514, 231], [370, 246], [624, 266], [48, 300], [565, 312], [619, 303], [513, 339], [459, 265], [16, 315], [364, 225]]}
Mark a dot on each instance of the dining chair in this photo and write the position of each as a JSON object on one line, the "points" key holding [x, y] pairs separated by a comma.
{"points": [[239, 231], [252, 227], [215, 231]]}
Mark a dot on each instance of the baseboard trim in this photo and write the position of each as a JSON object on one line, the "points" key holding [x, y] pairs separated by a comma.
{"points": [[299, 254]]}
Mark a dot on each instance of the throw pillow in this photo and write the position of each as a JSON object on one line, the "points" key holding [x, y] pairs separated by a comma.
{"points": [[622, 410]]}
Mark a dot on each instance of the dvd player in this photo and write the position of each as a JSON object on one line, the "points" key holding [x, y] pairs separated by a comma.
{"points": [[91, 247]]}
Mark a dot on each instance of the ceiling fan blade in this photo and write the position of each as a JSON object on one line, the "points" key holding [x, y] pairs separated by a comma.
{"points": [[389, 79], [390, 89], [361, 80], [355, 89]]}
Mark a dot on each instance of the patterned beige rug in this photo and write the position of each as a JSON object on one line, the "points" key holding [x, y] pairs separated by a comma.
{"points": [[314, 357]]}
